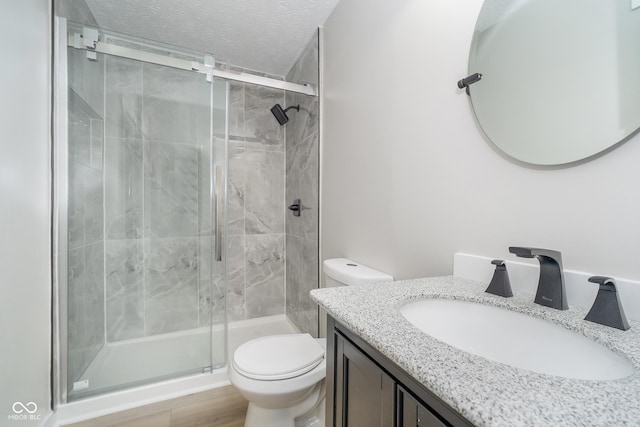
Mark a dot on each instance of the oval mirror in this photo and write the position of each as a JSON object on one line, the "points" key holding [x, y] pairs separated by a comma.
{"points": [[560, 79]]}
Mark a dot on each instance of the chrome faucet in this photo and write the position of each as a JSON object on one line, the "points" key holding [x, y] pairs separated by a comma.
{"points": [[551, 290]]}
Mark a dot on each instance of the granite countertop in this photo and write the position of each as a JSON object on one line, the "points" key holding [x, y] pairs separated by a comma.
{"points": [[485, 392]]}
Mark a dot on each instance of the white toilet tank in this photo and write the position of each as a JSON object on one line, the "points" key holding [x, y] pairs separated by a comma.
{"points": [[345, 272]]}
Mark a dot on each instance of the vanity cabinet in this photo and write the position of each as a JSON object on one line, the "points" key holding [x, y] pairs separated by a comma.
{"points": [[364, 392], [366, 389]]}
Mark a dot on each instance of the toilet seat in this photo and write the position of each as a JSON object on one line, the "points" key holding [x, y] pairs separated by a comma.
{"points": [[278, 357]]}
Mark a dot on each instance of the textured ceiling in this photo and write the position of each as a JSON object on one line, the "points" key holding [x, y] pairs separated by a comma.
{"points": [[261, 35]]}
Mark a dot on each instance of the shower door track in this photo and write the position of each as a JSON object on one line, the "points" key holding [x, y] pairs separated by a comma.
{"points": [[76, 41]]}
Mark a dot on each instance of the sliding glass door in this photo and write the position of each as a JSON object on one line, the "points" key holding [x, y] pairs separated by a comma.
{"points": [[142, 288]]}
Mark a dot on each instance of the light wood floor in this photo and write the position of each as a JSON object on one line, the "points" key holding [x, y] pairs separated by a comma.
{"points": [[220, 407]]}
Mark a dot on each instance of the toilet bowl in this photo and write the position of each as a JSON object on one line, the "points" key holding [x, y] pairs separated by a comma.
{"points": [[282, 376]]}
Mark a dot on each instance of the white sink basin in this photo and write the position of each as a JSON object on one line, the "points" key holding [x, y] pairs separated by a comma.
{"points": [[516, 339]]}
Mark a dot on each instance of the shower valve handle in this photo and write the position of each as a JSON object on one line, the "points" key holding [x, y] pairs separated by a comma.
{"points": [[296, 207]]}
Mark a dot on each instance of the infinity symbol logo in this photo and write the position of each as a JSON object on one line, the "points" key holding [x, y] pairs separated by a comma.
{"points": [[19, 407]]}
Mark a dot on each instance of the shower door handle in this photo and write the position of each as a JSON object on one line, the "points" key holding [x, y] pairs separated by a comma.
{"points": [[218, 212]]}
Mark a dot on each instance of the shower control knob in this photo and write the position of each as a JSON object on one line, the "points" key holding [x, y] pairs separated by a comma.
{"points": [[296, 207]]}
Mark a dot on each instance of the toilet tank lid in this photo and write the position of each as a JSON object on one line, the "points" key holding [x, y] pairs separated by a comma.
{"points": [[351, 273]]}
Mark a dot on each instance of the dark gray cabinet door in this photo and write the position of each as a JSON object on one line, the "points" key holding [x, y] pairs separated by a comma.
{"points": [[364, 392], [412, 413]]}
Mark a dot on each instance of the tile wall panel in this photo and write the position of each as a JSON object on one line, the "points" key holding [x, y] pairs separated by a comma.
{"points": [[255, 259], [153, 170], [302, 153], [264, 264], [85, 217]]}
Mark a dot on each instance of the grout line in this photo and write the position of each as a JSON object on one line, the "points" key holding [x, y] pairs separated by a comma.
{"points": [[284, 210], [104, 194], [244, 199], [142, 232]]}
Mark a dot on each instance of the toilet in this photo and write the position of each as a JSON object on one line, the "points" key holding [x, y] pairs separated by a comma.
{"points": [[282, 376]]}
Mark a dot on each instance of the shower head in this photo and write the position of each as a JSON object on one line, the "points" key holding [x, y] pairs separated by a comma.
{"points": [[281, 115]]}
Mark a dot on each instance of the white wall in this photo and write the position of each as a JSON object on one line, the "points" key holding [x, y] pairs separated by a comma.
{"points": [[408, 179], [25, 285]]}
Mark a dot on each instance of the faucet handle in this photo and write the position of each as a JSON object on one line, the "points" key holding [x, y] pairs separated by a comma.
{"points": [[500, 284], [607, 309]]}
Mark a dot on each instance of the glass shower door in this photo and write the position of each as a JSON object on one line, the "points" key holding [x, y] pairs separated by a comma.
{"points": [[145, 294]]}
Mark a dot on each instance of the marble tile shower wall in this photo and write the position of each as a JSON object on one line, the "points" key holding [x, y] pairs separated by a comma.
{"points": [[256, 245], [157, 125], [157, 216], [302, 183], [151, 267], [85, 224]]}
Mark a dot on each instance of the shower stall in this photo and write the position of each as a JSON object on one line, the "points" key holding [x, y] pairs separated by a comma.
{"points": [[166, 237], [142, 197]]}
